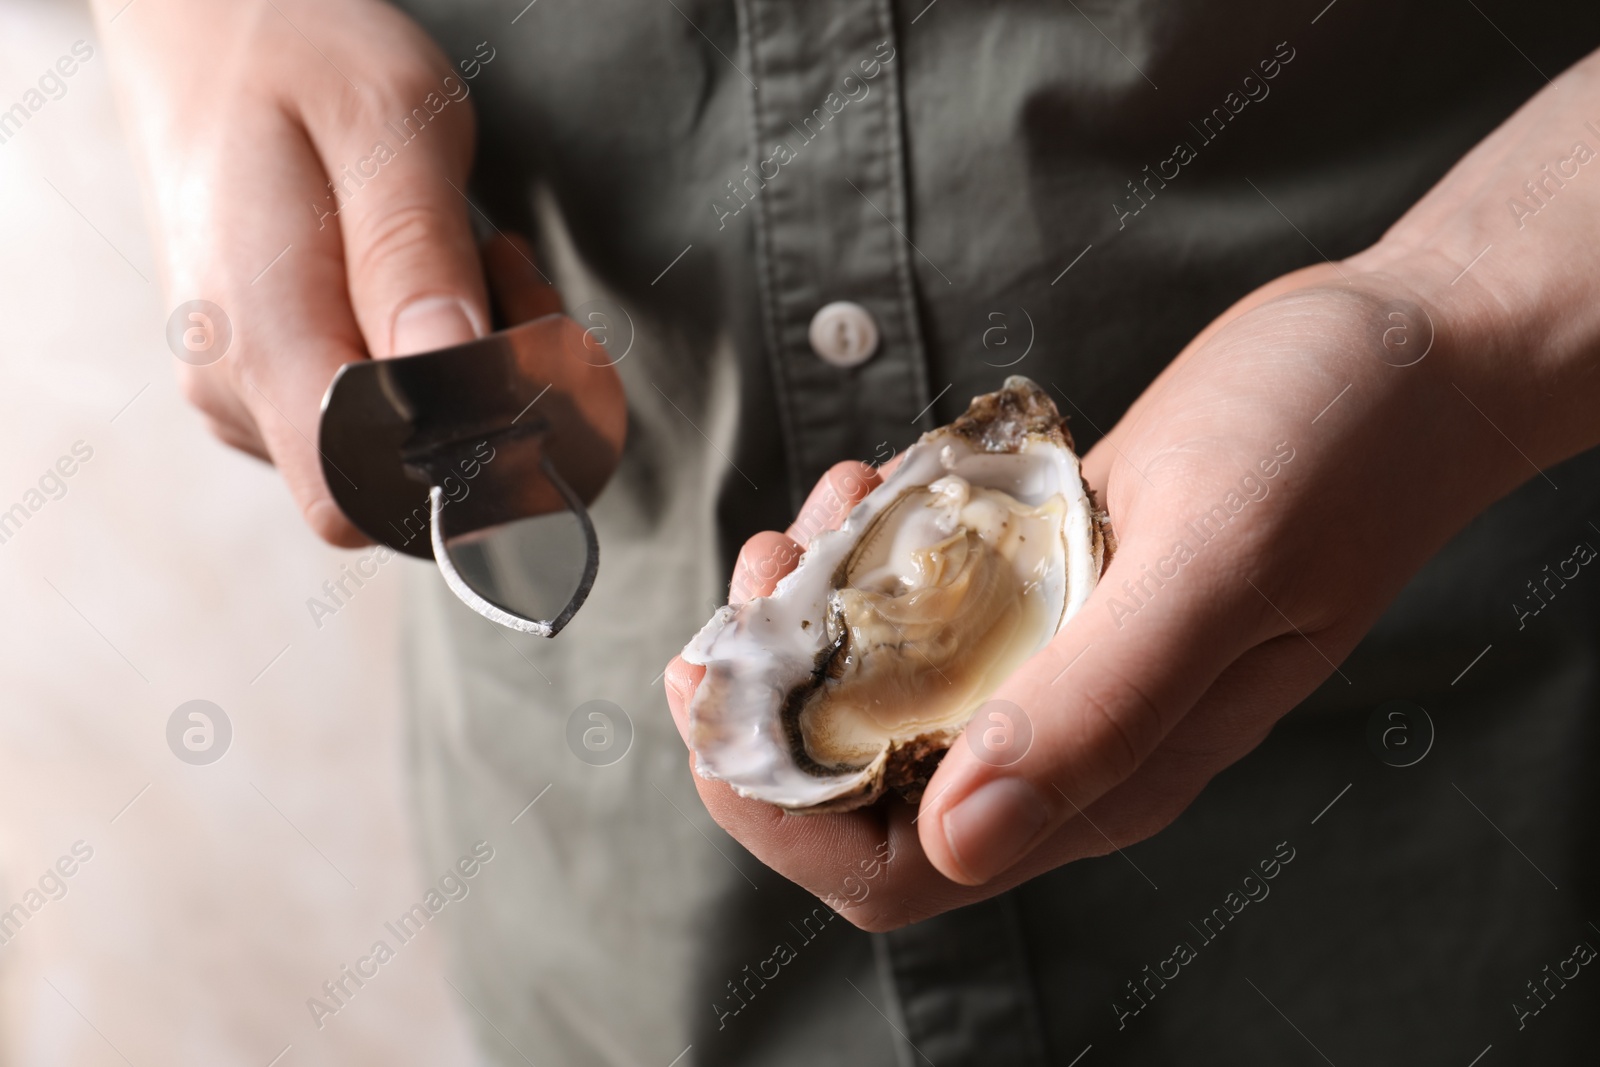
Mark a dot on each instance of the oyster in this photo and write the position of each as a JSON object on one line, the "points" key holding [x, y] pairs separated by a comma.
{"points": [[868, 659]]}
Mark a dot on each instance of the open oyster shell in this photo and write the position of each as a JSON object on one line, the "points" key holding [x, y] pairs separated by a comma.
{"points": [[869, 658]]}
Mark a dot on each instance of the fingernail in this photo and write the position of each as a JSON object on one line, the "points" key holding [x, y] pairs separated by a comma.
{"points": [[432, 322], [988, 830]]}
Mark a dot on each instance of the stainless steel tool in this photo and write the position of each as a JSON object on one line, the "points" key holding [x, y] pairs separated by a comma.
{"points": [[484, 457]]}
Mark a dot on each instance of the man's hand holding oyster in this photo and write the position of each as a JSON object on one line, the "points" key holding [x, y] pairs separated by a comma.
{"points": [[1413, 385]]}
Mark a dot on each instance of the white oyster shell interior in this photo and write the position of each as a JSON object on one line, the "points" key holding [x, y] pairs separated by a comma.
{"points": [[892, 630]]}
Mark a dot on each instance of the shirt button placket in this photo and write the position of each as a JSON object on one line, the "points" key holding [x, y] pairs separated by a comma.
{"points": [[842, 329]]}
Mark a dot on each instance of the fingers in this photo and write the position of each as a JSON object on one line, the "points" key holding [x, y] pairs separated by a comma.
{"points": [[521, 291], [398, 160], [316, 168], [292, 326], [1096, 702], [769, 555], [819, 852], [788, 843], [681, 680], [239, 433], [764, 559], [1096, 468], [836, 492], [828, 855], [1229, 721]]}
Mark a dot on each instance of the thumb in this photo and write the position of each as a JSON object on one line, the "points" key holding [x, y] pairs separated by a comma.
{"points": [[1082, 715], [415, 280]]}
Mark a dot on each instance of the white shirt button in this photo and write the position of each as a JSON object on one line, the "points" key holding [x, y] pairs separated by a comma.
{"points": [[844, 334]]}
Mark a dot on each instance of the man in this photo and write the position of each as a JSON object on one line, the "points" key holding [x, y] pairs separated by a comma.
{"points": [[1359, 490]]}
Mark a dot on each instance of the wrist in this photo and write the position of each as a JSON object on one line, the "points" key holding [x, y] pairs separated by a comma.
{"points": [[1523, 351]]}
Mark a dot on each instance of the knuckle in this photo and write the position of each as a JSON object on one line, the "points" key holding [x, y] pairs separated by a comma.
{"points": [[422, 70], [851, 479], [231, 434], [400, 232], [876, 919], [1125, 726], [328, 522], [416, 96], [407, 86], [386, 92], [199, 390]]}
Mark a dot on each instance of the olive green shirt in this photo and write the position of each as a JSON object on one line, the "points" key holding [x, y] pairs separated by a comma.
{"points": [[1068, 191]]}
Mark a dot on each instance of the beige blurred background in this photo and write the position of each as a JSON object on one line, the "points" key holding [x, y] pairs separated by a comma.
{"points": [[222, 896]]}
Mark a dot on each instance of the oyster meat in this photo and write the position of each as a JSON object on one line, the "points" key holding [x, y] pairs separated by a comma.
{"points": [[868, 659]]}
